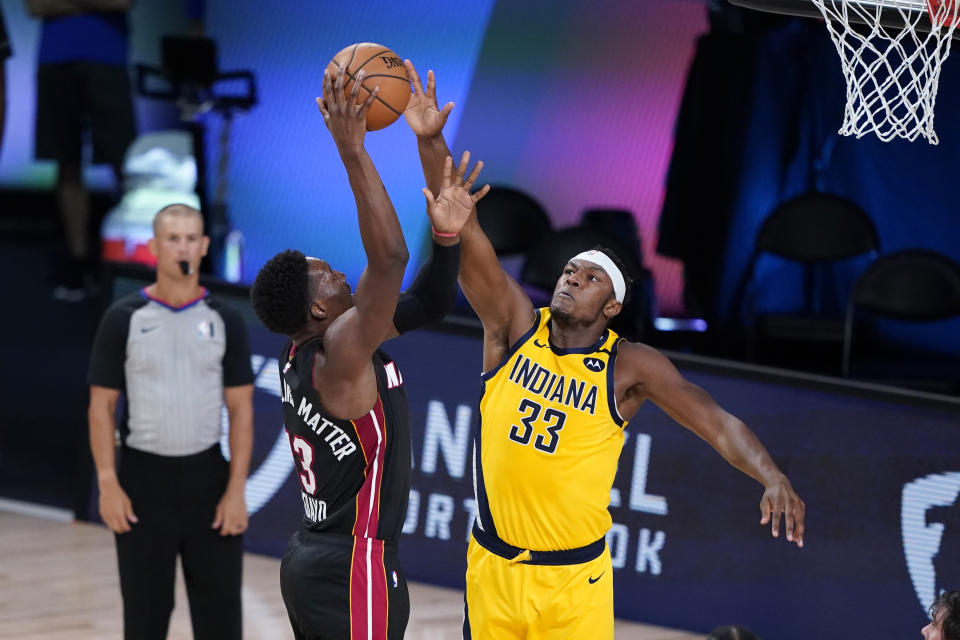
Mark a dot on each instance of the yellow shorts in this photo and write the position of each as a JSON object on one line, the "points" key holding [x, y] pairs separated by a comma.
{"points": [[507, 599]]}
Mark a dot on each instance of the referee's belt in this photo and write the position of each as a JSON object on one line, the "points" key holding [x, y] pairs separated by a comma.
{"points": [[515, 555]]}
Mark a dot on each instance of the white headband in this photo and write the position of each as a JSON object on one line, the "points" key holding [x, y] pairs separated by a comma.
{"points": [[602, 260]]}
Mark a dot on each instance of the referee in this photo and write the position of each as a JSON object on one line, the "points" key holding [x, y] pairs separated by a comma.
{"points": [[177, 355]]}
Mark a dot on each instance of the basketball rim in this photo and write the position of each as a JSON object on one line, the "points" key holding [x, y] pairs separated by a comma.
{"points": [[890, 16]]}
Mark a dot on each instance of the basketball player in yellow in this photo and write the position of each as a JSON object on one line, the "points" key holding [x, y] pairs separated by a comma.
{"points": [[558, 389]]}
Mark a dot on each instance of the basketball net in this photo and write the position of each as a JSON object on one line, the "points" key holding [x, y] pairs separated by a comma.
{"points": [[892, 73]]}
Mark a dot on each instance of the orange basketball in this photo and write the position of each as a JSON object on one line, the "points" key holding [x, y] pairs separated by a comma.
{"points": [[385, 69]]}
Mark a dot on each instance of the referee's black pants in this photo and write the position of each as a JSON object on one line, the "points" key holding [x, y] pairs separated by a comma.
{"points": [[175, 499]]}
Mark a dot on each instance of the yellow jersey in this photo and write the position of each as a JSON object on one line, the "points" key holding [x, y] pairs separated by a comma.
{"points": [[550, 439]]}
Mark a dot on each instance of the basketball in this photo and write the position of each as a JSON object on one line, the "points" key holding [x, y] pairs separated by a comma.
{"points": [[383, 68]]}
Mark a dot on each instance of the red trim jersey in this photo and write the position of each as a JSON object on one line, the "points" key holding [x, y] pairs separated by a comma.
{"points": [[354, 474]]}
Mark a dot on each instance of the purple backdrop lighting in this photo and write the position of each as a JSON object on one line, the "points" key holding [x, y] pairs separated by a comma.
{"points": [[582, 113]]}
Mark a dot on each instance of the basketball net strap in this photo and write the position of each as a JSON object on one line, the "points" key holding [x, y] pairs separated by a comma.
{"points": [[892, 74]]}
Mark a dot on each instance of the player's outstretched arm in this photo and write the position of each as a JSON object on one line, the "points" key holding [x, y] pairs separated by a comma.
{"points": [[498, 300], [434, 291], [426, 120], [354, 336], [502, 306], [650, 375]]}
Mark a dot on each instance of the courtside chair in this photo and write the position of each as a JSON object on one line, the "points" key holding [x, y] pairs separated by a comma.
{"points": [[819, 231], [512, 219], [912, 286]]}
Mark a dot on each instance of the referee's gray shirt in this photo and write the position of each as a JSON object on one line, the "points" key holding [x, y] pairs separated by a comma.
{"points": [[171, 364]]}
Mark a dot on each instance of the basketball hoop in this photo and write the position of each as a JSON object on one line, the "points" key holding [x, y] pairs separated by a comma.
{"points": [[892, 73], [892, 52]]}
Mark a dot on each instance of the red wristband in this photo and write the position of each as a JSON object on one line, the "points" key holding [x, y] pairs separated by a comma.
{"points": [[440, 234]]}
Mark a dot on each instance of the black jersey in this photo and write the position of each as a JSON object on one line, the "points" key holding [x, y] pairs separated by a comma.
{"points": [[354, 474]]}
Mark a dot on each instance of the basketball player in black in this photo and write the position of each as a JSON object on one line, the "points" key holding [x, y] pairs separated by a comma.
{"points": [[345, 408]]}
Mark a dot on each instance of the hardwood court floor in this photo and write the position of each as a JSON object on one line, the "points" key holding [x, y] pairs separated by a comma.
{"points": [[58, 580]]}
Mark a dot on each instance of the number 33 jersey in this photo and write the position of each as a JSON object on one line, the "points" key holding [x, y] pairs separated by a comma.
{"points": [[550, 438], [354, 474]]}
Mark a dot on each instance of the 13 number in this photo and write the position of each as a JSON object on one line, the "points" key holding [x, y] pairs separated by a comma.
{"points": [[304, 454]]}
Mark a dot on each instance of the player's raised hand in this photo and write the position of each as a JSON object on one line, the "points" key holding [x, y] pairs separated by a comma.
{"points": [[423, 115], [780, 499], [450, 210], [116, 509], [346, 120]]}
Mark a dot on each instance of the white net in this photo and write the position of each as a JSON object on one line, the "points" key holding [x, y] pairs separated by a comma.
{"points": [[892, 52]]}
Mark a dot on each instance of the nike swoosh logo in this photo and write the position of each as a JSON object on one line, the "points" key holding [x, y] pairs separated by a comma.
{"points": [[592, 580], [537, 343], [146, 329]]}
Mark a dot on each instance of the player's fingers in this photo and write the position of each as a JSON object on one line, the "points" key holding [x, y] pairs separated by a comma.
{"points": [[775, 526], [338, 86], [479, 194], [477, 168], [789, 514], [414, 76], [429, 196], [447, 170], [445, 112], [217, 518], [801, 522], [355, 88], [462, 167], [431, 84], [323, 110], [327, 89], [362, 110], [765, 508]]}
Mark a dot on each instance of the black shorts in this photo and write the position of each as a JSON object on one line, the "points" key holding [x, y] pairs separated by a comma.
{"points": [[336, 586], [73, 97]]}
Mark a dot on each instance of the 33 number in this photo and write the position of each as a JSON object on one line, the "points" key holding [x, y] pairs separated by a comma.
{"points": [[530, 412]]}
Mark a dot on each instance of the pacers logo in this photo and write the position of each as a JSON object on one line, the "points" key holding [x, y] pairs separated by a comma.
{"points": [[930, 519], [594, 364]]}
